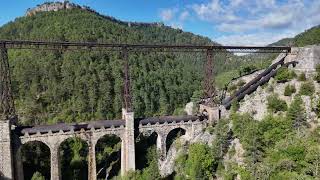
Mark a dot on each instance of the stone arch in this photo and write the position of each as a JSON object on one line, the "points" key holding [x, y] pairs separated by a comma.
{"points": [[73, 156], [108, 160], [172, 135], [29, 157]]}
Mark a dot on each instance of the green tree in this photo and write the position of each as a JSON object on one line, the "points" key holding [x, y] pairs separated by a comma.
{"points": [[199, 164], [275, 104], [296, 114], [307, 88]]}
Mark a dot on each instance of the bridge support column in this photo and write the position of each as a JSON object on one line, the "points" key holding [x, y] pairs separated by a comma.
{"points": [[128, 144], [55, 163], [213, 113], [161, 146], [92, 162], [6, 158], [18, 166]]}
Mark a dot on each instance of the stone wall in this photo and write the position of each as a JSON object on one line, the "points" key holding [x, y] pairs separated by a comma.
{"points": [[307, 57], [6, 161]]}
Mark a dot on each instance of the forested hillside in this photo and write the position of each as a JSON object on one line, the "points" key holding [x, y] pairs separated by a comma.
{"points": [[308, 37], [55, 86]]}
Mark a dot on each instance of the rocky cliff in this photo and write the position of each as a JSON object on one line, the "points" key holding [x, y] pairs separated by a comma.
{"points": [[56, 6], [308, 58]]}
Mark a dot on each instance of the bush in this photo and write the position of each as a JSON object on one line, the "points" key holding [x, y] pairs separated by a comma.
{"points": [[289, 90], [241, 83], [307, 89], [270, 88], [37, 176], [235, 106], [275, 104], [302, 77], [232, 87], [284, 74], [317, 76], [247, 69]]}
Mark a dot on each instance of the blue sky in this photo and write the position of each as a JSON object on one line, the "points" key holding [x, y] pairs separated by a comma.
{"points": [[229, 22]]}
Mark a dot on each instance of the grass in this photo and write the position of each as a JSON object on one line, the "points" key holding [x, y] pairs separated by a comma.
{"points": [[224, 78]]}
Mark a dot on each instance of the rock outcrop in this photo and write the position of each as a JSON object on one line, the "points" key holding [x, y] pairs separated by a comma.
{"points": [[308, 58], [54, 6]]}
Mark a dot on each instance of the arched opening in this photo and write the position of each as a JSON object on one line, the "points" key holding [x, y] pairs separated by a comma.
{"points": [[172, 136], [146, 150], [73, 154], [108, 156], [35, 157]]}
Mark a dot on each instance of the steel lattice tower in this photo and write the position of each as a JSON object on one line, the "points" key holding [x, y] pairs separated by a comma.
{"points": [[7, 110], [209, 90]]}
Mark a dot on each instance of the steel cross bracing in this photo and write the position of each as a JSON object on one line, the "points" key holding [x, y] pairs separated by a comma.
{"points": [[208, 81], [7, 109], [7, 103]]}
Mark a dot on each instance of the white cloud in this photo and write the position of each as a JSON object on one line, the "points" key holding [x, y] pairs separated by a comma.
{"points": [[249, 22], [184, 15], [240, 15], [236, 3], [253, 39], [167, 14]]}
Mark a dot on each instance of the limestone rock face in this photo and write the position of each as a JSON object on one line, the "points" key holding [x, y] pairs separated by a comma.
{"points": [[189, 108], [54, 6], [179, 146]]}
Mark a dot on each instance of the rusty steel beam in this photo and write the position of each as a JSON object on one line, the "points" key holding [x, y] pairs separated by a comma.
{"points": [[17, 44], [127, 85], [7, 109], [208, 78]]}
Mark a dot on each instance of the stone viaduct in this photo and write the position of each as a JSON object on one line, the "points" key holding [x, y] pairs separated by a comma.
{"points": [[12, 139]]}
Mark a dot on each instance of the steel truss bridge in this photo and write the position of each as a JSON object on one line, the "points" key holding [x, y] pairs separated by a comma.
{"points": [[6, 99]]}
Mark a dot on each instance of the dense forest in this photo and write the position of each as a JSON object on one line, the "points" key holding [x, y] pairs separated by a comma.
{"points": [[69, 86]]}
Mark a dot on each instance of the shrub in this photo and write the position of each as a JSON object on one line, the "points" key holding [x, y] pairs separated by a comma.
{"points": [[270, 88], [232, 87], [275, 104], [284, 74], [317, 108], [307, 88], [235, 106], [317, 76], [247, 69], [289, 90], [302, 77], [241, 83], [37, 176]]}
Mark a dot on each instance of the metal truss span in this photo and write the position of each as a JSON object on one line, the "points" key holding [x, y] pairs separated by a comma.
{"points": [[24, 44]]}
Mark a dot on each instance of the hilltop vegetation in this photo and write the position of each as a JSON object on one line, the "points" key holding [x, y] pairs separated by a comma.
{"points": [[308, 37]]}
